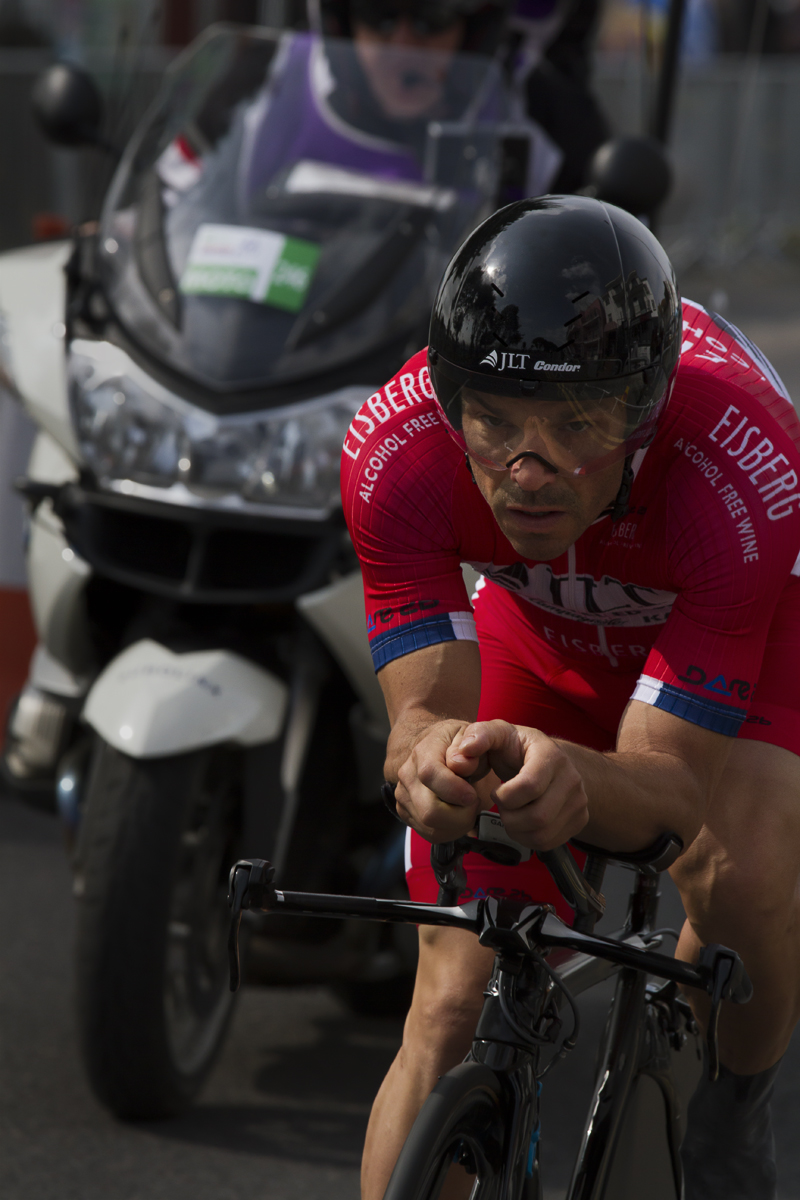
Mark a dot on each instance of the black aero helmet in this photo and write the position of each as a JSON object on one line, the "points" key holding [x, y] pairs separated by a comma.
{"points": [[555, 334]]}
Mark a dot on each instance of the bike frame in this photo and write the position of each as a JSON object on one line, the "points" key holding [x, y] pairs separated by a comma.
{"points": [[521, 935], [625, 1057]]}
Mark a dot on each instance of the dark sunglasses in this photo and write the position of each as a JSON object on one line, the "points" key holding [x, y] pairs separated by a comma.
{"points": [[426, 19]]}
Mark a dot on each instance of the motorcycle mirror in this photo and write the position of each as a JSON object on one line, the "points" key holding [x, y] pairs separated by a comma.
{"points": [[68, 107], [634, 173]]}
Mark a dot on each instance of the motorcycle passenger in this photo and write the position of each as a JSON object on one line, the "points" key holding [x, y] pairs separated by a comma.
{"points": [[547, 44], [401, 61], [624, 472]]}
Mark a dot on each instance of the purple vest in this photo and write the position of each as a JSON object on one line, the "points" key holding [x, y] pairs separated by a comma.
{"points": [[297, 126]]}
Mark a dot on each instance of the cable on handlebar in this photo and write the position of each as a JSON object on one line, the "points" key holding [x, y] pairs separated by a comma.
{"points": [[529, 1036]]}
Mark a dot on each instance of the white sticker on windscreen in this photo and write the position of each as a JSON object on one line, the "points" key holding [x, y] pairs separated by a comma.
{"points": [[251, 264]]}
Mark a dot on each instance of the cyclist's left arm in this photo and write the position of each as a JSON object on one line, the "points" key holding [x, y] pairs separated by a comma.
{"points": [[661, 778]]}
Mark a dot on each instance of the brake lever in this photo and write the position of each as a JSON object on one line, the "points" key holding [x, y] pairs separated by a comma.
{"points": [[728, 981], [249, 886]]}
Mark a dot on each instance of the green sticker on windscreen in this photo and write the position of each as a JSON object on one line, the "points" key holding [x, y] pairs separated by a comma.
{"points": [[293, 273], [252, 264]]}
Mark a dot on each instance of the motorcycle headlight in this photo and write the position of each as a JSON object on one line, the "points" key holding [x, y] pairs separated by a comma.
{"points": [[137, 436]]}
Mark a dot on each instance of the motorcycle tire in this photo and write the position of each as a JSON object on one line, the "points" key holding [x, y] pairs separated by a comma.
{"points": [[153, 999]]}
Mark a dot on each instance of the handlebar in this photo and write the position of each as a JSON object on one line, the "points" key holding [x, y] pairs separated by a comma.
{"points": [[719, 971]]}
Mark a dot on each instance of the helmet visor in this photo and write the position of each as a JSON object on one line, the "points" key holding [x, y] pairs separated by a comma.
{"points": [[576, 428]]}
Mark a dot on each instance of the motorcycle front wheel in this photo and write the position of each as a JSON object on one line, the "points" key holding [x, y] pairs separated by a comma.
{"points": [[157, 841]]}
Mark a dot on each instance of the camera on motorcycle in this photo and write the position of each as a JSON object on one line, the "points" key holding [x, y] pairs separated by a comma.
{"points": [[634, 173], [68, 107]]}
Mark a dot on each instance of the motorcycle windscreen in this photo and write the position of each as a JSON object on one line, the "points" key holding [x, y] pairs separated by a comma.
{"points": [[289, 204]]}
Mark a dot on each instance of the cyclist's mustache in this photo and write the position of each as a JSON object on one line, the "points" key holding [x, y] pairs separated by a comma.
{"points": [[548, 495]]}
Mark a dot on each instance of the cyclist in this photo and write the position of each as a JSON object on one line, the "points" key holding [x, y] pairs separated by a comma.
{"points": [[625, 475]]}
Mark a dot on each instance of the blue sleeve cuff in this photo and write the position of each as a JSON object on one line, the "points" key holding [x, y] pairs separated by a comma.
{"points": [[719, 718], [429, 631]]}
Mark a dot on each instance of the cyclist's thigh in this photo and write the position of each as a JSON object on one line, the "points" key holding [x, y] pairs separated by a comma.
{"points": [[747, 855]]}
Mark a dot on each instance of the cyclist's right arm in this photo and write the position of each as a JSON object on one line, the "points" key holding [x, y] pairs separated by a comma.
{"points": [[431, 696], [402, 482]]}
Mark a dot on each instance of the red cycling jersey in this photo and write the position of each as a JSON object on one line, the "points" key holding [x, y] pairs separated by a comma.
{"points": [[672, 604]]}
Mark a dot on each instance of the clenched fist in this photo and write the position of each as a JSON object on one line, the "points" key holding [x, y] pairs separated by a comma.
{"points": [[542, 800], [540, 796]]}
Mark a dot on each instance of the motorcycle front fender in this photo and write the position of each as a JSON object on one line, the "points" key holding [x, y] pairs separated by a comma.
{"points": [[150, 702]]}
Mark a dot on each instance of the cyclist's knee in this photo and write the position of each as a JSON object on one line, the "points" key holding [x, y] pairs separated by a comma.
{"points": [[448, 996], [718, 887], [444, 1019]]}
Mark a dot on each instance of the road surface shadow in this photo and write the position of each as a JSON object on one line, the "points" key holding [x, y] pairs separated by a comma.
{"points": [[308, 1103]]}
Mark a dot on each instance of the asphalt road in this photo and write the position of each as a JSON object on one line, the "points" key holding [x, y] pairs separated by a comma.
{"points": [[284, 1113]]}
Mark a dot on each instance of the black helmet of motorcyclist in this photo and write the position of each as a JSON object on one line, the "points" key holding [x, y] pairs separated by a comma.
{"points": [[569, 307], [484, 20]]}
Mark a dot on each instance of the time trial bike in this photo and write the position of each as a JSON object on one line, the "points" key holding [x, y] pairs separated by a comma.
{"points": [[482, 1118]]}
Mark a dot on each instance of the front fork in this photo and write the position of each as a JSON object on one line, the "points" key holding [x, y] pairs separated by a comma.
{"points": [[497, 1045], [517, 1074]]}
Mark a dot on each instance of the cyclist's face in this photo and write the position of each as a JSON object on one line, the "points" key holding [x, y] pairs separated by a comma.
{"points": [[576, 434], [540, 504]]}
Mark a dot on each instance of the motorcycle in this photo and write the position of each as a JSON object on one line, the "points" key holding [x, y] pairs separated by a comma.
{"points": [[202, 689]]}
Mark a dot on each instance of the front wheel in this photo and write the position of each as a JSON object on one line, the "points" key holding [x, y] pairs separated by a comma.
{"points": [[459, 1131], [156, 844]]}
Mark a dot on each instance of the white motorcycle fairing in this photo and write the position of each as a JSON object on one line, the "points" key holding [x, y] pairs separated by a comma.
{"points": [[32, 307], [150, 702]]}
